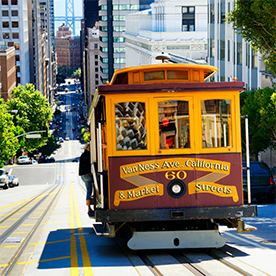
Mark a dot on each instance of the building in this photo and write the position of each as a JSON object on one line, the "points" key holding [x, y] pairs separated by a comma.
{"points": [[112, 26], [93, 68], [47, 24], [14, 28], [178, 28], [231, 54], [67, 48], [90, 17], [7, 70]]}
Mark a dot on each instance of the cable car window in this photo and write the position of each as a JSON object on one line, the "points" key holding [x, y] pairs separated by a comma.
{"points": [[172, 75], [131, 126], [216, 123], [157, 75], [174, 126]]}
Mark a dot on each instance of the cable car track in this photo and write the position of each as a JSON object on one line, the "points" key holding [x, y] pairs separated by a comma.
{"points": [[49, 198]]}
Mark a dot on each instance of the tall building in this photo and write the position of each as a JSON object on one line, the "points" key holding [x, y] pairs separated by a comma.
{"points": [[93, 57], [67, 48], [7, 70], [112, 15], [14, 28], [90, 17], [177, 28], [229, 52]]}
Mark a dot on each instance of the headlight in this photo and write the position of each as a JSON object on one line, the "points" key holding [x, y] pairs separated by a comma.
{"points": [[176, 188]]}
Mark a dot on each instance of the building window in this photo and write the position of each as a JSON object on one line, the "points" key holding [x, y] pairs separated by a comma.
{"points": [[14, 13], [104, 18], [96, 56], [96, 62], [6, 35], [14, 24], [118, 39], [228, 50], [104, 7], [15, 35], [96, 69], [119, 60], [119, 18], [95, 46], [104, 39], [5, 13], [188, 19], [125, 7], [14, 2], [212, 13], [103, 28], [119, 50], [17, 58], [104, 60], [96, 76], [5, 2], [119, 28], [254, 59], [222, 50], [5, 24], [239, 57], [104, 70], [104, 49], [212, 47], [222, 13]]}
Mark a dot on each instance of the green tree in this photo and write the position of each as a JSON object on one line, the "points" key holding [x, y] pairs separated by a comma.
{"points": [[77, 73], [258, 105], [8, 142], [255, 20], [34, 113]]}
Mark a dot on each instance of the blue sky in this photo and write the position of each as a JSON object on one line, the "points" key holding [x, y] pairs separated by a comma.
{"points": [[59, 8]]}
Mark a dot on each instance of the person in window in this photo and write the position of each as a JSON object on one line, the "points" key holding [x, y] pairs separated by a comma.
{"points": [[167, 133]]}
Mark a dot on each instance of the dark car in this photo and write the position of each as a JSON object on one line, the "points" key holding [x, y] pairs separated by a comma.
{"points": [[261, 182]]}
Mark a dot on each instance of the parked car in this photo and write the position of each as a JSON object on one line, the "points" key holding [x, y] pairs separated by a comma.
{"points": [[10, 181], [61, 139], [4, 180], [24, 160], [261, 182], [67, 138], [15, 180]]}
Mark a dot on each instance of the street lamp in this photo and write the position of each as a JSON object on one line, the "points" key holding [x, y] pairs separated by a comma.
{"points": [[11, 111]]}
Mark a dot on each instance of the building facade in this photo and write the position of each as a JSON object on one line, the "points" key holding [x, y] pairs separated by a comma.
{"points": [[93, 67], [112, 26], [7, 70], [231, 54], [14, 20], [177, 28], [67, 48]]}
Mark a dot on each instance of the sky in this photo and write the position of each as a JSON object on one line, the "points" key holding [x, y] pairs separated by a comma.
{"points": [[59, 10]]}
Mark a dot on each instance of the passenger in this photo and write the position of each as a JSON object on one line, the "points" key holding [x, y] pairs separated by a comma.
{"points": [[85, 174]]}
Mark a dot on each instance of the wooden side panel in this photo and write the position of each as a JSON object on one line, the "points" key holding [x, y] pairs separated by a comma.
{"points": [[175, 181]]}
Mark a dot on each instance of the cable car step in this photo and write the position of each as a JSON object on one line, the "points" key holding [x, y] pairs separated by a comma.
{"points": [[100, 230]]}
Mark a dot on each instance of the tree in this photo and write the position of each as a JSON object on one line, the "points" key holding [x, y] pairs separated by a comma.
{"points": [[34, 113], [255, 20], [8, 142], [77, 73], [261, 110]]}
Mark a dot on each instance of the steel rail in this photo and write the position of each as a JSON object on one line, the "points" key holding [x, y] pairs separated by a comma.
{"points": [[22, 247]]}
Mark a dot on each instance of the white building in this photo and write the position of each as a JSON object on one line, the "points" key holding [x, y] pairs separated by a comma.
{"points": [[172, 26], [229, 52], [93, 57], [14, 29]]}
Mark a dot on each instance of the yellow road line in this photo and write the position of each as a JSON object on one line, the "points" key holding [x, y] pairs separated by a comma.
{"points": [[74, 257], [85, 256], [42, 243], [46, 260]]}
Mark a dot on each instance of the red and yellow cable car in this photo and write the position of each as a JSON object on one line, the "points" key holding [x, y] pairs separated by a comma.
{"points": [[171, 170]]}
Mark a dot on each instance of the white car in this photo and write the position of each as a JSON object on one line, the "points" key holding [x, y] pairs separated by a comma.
{"points": [[24, 160], [15, 180]]}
